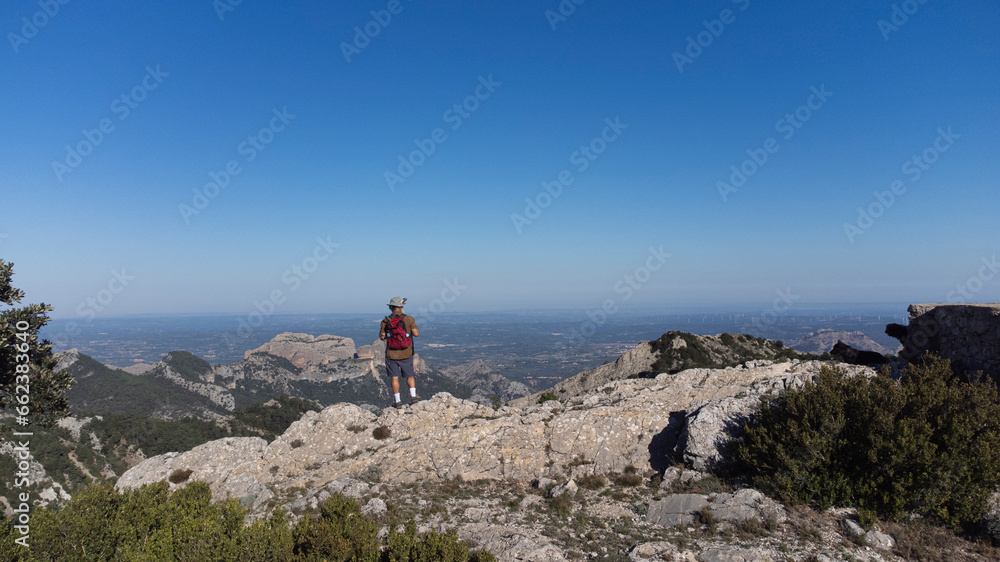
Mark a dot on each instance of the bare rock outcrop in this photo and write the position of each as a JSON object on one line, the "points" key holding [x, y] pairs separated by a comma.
{"points": [[625, 423], [307, 352], [485, 382], [630, 364], [967, 334], [823, 340], [710, 422], [168, 369]]}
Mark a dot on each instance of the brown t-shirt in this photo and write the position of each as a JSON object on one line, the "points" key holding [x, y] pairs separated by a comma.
{"points": [[399, 354]]}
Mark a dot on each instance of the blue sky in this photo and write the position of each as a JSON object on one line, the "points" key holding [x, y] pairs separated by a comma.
{"points": [[311, 114]]}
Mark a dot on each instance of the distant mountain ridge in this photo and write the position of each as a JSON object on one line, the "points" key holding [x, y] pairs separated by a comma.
{"points": [[671, 353], [822, 341], [327, 369]]}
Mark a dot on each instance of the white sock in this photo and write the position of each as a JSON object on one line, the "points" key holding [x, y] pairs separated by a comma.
{"points": [[413, 392], [397, 397]]}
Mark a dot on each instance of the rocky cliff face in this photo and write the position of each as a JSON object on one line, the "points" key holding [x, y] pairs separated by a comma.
{"points": [[647, 423], [967, 334], [822, 341], [486, 382], [492, 475], [671, 353], [307, 352]]}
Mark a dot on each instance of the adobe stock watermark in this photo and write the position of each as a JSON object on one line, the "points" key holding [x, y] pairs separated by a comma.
{"points": [[963, 293], [249, 148], [563, 11], [788, 126], [899, 16], [696, 44], [291, 280], [122, 107], [966, 290], [582, 159], [626, 288], [769, 317], [455, 116], [224, 7], [95, 304], [913, 168], [31, 26], [363, 34], [450, 293]]}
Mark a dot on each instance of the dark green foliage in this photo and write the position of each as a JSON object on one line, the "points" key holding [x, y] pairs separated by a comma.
{"points": [[928, 443], [188, 366], [150, 523], [628, 479], [154, 436], [100, 389], [546, 396], [735, 349], [22, 349], [270, 421], [51, 449], [592, 481], [561, 505], [432, 547], [338, 533], [119, 432]]}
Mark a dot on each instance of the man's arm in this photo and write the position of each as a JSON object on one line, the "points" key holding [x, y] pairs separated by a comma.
{"points": [[381, 330], [414, 330]]}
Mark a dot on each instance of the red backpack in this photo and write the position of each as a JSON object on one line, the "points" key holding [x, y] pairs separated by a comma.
{"points": [[395, 333]]}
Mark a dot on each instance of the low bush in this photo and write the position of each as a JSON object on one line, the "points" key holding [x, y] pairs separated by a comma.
{"points": [[151, 523], [546, 396], [928, 443]]}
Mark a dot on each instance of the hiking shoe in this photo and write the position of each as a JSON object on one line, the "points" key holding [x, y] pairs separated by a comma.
{"points": [[415, 399], [398, 405]]}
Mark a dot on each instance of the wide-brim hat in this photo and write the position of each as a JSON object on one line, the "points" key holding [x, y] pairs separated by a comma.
{"points": [[397, 302]]}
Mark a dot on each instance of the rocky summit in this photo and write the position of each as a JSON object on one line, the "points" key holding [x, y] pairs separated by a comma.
{"points": [[623, 427], [308, 352]]}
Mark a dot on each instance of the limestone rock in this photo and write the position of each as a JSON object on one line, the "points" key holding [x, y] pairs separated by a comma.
{"points": [[445, 437], [680, 476], [375, 507], [486, 382], [712, 421], [676, 509], [569, 487], [823, 340], [967, 334], [875, 537], [66, 359], [305, 351], [215, 463], [747, 504], [631, 363], [513, 543], [659, 551], [880, 540]]}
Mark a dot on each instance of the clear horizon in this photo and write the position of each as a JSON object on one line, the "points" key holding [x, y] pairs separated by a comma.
{"points": [[311, 158]]}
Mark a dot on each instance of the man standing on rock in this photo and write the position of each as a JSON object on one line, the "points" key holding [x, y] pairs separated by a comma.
{"points": [[398, 331]]}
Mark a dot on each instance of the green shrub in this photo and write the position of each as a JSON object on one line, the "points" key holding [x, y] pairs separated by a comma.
{"points": [[928, 443], [338, 532], [431, 547], [628, 479], [546, 396], [591, 481], [151, 523]]}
